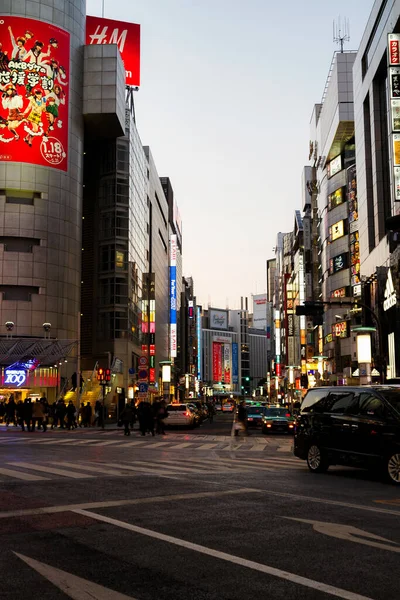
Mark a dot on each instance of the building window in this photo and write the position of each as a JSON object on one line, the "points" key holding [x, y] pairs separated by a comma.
{"points": [[18, 244], [23, 293]]}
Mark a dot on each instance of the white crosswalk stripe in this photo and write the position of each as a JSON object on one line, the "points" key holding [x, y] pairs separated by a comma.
{"points": [[161, 467]]}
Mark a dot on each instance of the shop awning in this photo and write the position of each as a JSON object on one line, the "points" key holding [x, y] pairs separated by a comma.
{"points": [[47, 351]]}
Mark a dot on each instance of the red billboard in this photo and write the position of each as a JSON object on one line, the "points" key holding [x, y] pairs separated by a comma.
{"points": [[34, 83], [217, 361], [127, 38]]}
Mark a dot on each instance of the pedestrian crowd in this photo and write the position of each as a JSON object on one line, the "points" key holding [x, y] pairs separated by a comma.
{"points": [[151, 417], [39, 414]]}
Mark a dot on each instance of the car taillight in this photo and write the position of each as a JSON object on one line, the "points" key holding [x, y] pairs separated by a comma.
{"points": [[290, 426], [269, 425], [288, 415], [187, 414]]}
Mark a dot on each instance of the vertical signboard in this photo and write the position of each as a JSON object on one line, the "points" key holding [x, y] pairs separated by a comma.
{"points": [[217, 361], [34, 81], [260, 311], [227, 363], [125, 35], [235, 363], [353, 227], [172, 296], [394, 87], [199, 341]]}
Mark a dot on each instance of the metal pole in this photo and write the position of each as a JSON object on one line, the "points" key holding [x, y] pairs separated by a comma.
{"points": [[102, 9]]}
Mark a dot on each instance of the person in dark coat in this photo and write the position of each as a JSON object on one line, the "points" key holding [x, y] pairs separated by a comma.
{"points": [[20, 414], [242, 418], [126, 418], [161, 415], [27, 412], [70, 415], [60, 412], [10, 411]]}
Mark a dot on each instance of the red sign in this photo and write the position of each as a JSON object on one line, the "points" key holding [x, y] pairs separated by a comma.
{"points": [[394, 52], [34, 80], [340, 329], [152, 375], [217, 361], [127, 38]]}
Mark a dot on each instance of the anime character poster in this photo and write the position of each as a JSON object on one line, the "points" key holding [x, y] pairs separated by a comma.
{"points": [[34, 83]]}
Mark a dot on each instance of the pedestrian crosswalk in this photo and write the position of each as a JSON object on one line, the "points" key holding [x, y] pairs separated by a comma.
{"points": [[172, 467], [201, 443]]}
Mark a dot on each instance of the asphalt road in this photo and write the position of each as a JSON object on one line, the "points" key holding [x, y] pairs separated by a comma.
{"points": [[96, 515]]}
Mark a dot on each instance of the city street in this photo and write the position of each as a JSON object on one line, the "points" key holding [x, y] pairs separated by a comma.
{"points": [[200, 515]]}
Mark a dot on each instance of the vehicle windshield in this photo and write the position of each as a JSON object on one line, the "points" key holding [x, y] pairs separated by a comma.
{"points": [[392, 395], [276, 412]]}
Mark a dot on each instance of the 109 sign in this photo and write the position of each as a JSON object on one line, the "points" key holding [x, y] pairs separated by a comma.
{"points": [[14, 377]]}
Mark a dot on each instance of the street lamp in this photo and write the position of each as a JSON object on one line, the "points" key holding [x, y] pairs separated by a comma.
{"points": [[364, 354]]}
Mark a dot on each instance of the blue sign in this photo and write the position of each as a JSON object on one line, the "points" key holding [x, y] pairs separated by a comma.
{"points": [[235, 363], [131, 371], [143, 388], [172, 295]]}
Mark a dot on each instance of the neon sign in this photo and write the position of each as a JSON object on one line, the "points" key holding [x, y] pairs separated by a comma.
{"points": [[15, 377]]}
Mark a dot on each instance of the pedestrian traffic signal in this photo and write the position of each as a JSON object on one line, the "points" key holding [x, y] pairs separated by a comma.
{"points": [[100, 374], [108, 375]]}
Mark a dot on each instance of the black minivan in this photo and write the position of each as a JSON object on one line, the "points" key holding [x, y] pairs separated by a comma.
{"points": [[355, 426]]}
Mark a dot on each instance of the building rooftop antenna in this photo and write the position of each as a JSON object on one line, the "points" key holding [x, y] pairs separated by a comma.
{"points": [[341, 32]]}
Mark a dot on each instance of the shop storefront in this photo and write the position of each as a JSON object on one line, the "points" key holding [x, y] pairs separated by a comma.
{"points": [[19, 383]]}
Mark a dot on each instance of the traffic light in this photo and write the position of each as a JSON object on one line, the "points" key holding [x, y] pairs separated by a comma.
{"points": [[100, 374], [247, 378], [107, 375]]}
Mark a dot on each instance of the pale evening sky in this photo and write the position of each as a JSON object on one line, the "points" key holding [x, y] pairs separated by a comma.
{"points": [[227, 92]]}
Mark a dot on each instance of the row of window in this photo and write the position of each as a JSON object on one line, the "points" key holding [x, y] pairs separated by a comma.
{"points": [[347, 403]]}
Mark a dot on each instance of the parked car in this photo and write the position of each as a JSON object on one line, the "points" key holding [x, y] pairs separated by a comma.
{"points": [[180, 414], [277, 419], [218, 407], [356, 426], [228, 407], [255, 416]]}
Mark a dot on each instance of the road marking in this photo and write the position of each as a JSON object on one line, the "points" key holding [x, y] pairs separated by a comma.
{"points": [[104, 443], [139, 469], [73, 586], [21, 475], [23, 512], [48, 469], [237, 560], [394, 502], [98, 468], [206, 446], [348, 532], [178, 446]]}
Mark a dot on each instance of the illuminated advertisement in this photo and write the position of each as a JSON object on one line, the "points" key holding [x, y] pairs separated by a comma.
{"points": [[394, 49], [396, 149], [336, 231], [334, 166], [395, 106], [352, 197], [217, 361], [355, 258], [235, 363], [125, 35], [338, 263], [335, 199], [172, 296], [34, 81], [218, 319], [339, 293], [227, 363], [199, 341], [340, 330]]}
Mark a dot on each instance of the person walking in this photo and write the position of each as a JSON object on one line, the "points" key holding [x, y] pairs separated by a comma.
{"points": [[126, 418], [38, 416], [210, 411], [161, 415], [19, 409], [241, 424], [27, 413], [60, 412], [10, 411], [70, 415]]}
